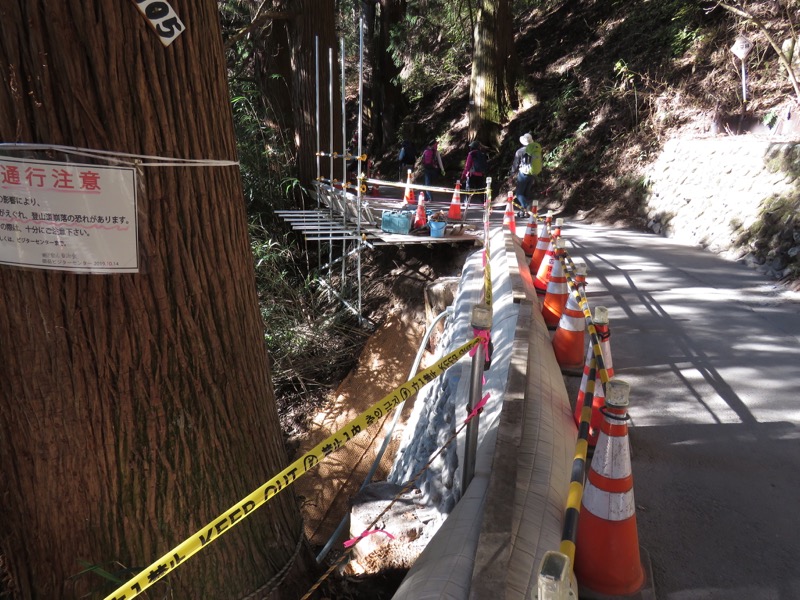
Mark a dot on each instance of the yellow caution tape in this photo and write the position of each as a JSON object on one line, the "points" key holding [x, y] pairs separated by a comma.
{"points": [[245, 507]]}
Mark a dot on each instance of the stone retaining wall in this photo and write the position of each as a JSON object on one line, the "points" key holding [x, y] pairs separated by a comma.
{"points": [[709, 191]]}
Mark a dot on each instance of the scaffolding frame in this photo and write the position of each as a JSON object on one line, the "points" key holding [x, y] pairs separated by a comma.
{"points": [[343, 214]]}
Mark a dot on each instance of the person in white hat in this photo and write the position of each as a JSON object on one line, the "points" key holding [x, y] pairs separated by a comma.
{"points": [[524, 169]]}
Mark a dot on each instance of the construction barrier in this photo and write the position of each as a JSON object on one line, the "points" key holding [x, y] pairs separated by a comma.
{"points": [[454, 212], [509, 219], [529, 241], [570, 337], [557, 292], [542, 243], [408, 197], [603, 335], [421, 218], [607, 557], [546, 267], [245, 507]]}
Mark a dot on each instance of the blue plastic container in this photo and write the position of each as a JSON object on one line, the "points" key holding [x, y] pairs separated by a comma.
{"points": [[437, 228], [396, 221]]}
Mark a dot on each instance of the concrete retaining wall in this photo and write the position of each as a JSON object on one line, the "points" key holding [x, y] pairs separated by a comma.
{"points": [[707, 191], [491, 543]]}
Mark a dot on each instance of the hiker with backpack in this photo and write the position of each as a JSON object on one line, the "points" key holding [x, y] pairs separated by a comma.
{"points": [[526, 166], [406, 158], [431, 163], [476, 167]]}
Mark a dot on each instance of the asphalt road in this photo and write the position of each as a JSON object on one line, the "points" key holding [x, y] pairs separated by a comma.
{"points": [[712, 352]]}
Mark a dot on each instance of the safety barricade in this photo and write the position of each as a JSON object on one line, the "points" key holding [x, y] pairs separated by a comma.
{"points": [[479, 347], [283, 480], [599, 554]]}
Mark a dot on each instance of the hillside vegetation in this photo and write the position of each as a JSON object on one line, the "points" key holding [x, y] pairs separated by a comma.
{"points": [[601, 84]]}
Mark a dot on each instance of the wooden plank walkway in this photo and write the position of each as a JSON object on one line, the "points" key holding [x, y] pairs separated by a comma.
{"points": [[337, 219]]}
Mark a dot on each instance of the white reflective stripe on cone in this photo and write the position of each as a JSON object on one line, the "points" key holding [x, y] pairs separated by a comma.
{"points": [[607, 505], [605, 348], [612, 457], [571, 323]]}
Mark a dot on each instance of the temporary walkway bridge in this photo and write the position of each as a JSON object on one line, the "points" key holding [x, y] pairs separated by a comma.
{"points": [[354, 220], [346, 214]]}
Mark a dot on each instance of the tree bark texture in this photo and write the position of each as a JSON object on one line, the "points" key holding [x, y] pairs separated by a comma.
{"points": [[136, 407], [389, 103], [487, 84], [273, 72], [507, 56], [315, 18]]}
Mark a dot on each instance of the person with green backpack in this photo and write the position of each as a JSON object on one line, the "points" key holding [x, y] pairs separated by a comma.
{"points": [[526, 166]]}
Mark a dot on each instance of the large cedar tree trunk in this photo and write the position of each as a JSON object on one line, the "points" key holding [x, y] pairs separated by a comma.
{"points": [[389, 104], [488, 85], [312, 18], [136, 407]]}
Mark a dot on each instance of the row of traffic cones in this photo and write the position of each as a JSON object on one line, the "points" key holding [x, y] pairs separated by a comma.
{"points": [[569, 341], [540, 245], [454, 211], [608, 560]]}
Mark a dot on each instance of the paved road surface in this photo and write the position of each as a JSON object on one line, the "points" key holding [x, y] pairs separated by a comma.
{"points": [[712, 351]]}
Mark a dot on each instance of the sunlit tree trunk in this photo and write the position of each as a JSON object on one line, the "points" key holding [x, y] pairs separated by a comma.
{"points": [[389, 102], [488, 84], [135, 408], [314, 18]]}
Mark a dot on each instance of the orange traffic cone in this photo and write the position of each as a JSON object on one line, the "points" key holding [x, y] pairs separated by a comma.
{"points": [[529, 241], [455, 204], [557, 291], [543, 274], [542, 242], [570, 337], [584, 381], [607, 556], [509, 219], [409, 195], [604, 335], [421, 218], [598, 400]]}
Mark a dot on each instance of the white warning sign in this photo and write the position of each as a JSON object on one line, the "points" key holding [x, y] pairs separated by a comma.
{"points": [[68, 217]]}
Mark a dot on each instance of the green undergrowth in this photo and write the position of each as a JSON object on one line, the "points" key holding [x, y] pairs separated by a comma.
{"points": [[311, 339], [774, 239]]}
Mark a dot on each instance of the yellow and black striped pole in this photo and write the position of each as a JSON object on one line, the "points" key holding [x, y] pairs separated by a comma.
{"points": [[580, 295], [575, 495]]}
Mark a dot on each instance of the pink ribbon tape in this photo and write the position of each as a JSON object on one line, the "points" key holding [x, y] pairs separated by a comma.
{"points": [[354, 541], [478, 408]]}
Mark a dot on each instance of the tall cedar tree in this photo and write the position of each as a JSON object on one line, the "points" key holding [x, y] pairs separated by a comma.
{"points": [[312, 19], [136, 407], [282, 41], [492, 81], [387, 97]]}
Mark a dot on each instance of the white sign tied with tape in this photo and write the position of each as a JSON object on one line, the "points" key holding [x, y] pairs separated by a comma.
{"points": [[162, 18], [68, 216]]}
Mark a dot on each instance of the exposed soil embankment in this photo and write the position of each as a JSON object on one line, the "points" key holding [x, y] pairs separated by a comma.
{"points": [[383, 365]]}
